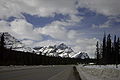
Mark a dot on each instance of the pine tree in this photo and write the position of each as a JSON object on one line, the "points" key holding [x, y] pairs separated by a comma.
{"points": [[100, 51], [110, 50], [108, 56], [114, 52], [117, 51], [104, 49], [2, 41], [97, 52], [2, 49]]}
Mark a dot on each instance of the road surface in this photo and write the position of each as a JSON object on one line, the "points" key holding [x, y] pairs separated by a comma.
{"points": [[41, 73]]}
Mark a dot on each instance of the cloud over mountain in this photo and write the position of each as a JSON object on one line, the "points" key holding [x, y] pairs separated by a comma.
{"points": [[80, 29]]}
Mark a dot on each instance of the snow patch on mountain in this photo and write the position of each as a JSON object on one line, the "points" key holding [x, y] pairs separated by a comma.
{"points": [[57, 50], [61, 50], [14, 44], [81, 55]]}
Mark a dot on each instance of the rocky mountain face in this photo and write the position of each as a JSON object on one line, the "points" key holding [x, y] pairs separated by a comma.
{"points": [[60, 50], [14, 44], [82, 55]]}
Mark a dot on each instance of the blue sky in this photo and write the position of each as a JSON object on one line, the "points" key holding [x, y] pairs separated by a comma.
{"points": [[42, 21], [77, 23]]}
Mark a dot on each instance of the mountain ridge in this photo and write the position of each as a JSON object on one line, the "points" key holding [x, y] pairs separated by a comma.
{"points": [[61, 50]]}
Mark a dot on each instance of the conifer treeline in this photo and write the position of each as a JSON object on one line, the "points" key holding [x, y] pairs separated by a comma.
{"points": [[109, 51]]}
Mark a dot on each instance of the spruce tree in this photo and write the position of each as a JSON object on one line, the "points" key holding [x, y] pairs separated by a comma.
{"points": [[2, 41], [114, 52], [117, 55], [97, 52], [2, 49], [118, 51], [104, 49], [108, 56]]}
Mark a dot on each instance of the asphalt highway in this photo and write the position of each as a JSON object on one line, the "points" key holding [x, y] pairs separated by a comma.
{"points": [[62, 72]]}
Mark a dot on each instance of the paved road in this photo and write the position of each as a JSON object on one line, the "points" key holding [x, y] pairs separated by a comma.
{"points": [[40, 73]]}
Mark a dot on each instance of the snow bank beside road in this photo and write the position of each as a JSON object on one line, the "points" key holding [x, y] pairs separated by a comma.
{"points": [[95, 72]]}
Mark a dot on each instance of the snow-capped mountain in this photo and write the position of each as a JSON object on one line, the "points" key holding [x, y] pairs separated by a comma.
{"points": [[81, 55], [14, 44], [60, 50]]}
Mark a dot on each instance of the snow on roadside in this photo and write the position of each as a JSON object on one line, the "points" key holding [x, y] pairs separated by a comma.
{"points": [[99, 72]]}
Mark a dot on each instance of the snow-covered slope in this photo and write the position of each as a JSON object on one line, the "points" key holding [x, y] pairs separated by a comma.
{"points": [[14, 44], [81, 55], [61, 50]]}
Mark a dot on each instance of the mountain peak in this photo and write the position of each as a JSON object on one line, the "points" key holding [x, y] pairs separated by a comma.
{"points": [[82, 55], [62, 46], [12, 42], [61, 50]]}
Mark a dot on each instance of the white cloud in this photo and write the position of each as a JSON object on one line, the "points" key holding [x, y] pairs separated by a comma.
{"points": [[74, 19], [28, 42], [24, 29], [54, 30], [107, 24], [72, 34], [106, 7], [4, 26], [20, 28], [86, 45], [114, 18], [46, 43], [43, 8], [57, 30]]}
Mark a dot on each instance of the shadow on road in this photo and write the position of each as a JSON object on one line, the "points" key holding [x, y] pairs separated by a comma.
{"points": [[76, 73]]}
